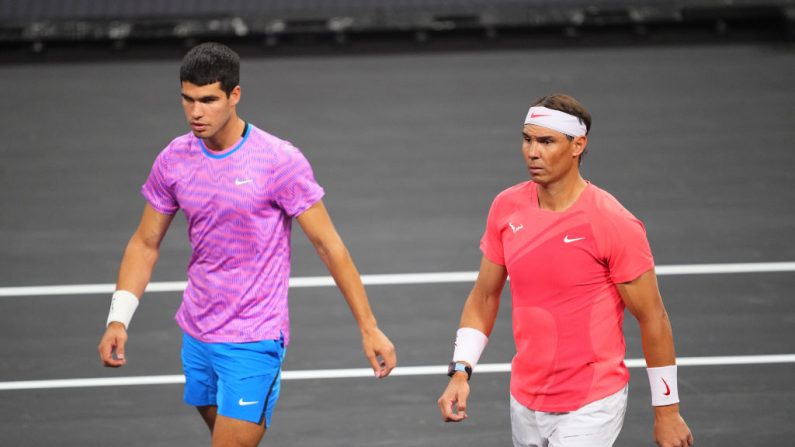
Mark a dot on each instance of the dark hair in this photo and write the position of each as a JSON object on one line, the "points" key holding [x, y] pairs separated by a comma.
{"points": [[567, 104], [211, 62]]}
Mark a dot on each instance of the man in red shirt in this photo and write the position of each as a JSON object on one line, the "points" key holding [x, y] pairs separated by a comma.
{"points": [[576, 259]]}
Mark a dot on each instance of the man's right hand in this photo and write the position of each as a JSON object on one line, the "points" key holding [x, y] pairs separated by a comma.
{"points": [[455, 394], [113, 343]]}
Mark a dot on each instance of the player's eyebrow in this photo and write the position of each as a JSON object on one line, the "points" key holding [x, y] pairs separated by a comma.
{"points": [[203, 98], [537, 137]]}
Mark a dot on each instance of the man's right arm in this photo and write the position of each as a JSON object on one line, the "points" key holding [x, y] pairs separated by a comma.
{"points": [[480, 313], [135, 271]]}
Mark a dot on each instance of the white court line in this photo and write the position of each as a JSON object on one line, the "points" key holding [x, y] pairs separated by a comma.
{"points": [[366, 372], [392, 279]]}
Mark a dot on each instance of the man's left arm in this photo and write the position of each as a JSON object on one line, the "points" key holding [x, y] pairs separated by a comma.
{"points": [[317, 225], [643, 300]]}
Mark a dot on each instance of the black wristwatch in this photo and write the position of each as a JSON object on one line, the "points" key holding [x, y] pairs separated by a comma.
{"points": [[455, 367]]}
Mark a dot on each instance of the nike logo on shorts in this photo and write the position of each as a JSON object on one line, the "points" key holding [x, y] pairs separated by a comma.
{"points": [[243, 403]]}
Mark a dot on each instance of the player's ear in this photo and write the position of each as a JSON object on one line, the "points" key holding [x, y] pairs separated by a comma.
{"points": [[234, 96], [578, 145]]}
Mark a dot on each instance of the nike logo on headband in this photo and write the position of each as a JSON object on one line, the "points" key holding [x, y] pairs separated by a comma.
{"points": [[537, 115]]}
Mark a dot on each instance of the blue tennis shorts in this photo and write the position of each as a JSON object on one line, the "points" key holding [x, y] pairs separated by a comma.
{"points": [[242, 379]]}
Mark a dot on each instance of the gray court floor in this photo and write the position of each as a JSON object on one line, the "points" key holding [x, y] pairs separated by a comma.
{"points": [[697, 141]]}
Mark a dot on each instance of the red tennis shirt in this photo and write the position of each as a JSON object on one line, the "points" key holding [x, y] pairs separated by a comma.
{"points": [[567, 312]]}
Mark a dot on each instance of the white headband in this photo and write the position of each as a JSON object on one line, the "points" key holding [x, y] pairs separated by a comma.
{"points": [[556, 120]]}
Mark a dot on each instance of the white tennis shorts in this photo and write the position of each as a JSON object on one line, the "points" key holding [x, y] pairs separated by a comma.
{"points": [[594, 425]]}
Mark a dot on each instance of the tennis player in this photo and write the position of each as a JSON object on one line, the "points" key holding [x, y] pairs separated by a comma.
{"points": [[576, 259], [239, 189]]}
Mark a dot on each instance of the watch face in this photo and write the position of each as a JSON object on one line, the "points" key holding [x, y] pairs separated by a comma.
{"points": [[455, 367]]}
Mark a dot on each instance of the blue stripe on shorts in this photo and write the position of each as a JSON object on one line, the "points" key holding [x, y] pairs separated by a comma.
{"points": [[242, 379]]}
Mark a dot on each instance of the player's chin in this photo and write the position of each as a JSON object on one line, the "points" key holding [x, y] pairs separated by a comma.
{"points": [[536, 176], [538, 179]]}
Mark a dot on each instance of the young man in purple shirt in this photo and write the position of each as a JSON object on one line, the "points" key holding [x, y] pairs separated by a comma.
{"points": [[239, 188]]}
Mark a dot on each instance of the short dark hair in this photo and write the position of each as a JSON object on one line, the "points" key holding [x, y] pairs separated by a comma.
{"points": [[567, 104], [211, 62]]}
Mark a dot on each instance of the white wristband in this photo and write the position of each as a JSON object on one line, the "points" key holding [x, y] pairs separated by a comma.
{"points": [[122, 308], [662, 381], [469, 345]]}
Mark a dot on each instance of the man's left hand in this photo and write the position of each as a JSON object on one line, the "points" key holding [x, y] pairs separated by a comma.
{"points": [[380, 352], [670, 430]]}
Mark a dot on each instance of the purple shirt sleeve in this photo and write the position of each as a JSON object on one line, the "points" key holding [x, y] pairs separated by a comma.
{"points": [[158, 190], [294, 187]]}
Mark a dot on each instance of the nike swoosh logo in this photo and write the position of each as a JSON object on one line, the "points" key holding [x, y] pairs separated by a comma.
{"points": [[239, 182], [667, 388], [537, 115], [569, 241], [243, 403]]}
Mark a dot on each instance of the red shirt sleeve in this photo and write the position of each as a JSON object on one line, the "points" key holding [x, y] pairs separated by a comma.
{"points": [[491, 242], [628, 252]]}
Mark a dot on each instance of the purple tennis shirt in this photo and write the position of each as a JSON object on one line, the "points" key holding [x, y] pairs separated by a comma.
{"points": [[239, 204]]}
